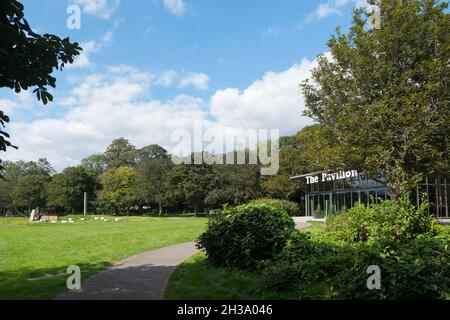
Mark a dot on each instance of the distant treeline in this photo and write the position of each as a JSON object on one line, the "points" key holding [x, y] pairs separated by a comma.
{"points": [[125, 179]]}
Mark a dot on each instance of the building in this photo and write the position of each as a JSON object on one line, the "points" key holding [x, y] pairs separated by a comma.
{"points": [[337, 191]]}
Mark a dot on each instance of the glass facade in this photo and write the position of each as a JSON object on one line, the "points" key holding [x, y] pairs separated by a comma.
{"points": [[334, 193], [437, 189]]}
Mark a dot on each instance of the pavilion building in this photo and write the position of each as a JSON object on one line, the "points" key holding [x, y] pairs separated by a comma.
{"points": [[333, 192]]}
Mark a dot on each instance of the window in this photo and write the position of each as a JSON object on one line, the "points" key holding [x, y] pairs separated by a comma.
{"points": [[364, 198], [355, 198]]}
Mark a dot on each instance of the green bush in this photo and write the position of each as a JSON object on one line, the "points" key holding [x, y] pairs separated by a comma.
{"points": [[337, 224], [243, 236], [307, 260], [418, 269], [292, 208], [385, 222]]}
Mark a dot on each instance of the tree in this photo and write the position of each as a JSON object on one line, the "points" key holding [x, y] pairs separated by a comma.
{"points": [[95, 163], [29, 192], [383, 98], [316, 150], [301, 153], [66, 190], [28, 59], [13, 171], [153, 151], [118, 188], [233, 184], [120, 153], [191, 182], [150, 186]]}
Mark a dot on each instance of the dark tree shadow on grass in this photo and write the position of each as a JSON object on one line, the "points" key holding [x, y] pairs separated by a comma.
{"points": [[41, 283]]}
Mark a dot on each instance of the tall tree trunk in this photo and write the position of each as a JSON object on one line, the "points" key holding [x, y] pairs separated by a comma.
{"points": [[195, 209], [160, 208]]}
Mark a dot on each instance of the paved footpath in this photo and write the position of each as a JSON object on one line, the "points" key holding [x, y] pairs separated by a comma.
{"points": [[141, 277], [304, 222]]}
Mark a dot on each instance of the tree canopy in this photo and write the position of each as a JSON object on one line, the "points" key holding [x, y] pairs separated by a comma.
{"points": [[118, 188], [120, 153], [28, 59], [66, 190], [382, 96], [29, 192]]}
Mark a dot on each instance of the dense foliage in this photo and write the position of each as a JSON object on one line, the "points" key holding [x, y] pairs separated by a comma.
{"points": [[27, 58], [241, 237], [291, 208], [411, 250], [383, 95], [386, 222], [416, 270], [66, 190], [29, 192], [118, 186]]}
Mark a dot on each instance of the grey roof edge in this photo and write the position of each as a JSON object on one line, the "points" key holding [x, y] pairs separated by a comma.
{"points": [[305, 175]]}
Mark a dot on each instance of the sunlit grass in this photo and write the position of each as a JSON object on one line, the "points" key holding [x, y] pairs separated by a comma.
{"points": [[44, 251]]}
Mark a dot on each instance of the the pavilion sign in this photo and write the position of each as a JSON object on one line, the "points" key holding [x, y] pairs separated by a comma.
{"points": [[323, 177]]}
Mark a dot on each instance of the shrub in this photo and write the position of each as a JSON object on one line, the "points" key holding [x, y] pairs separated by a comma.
{"points": [[292, 208], [416, 270], [307, 260], [282, 276], [243, 236], [337, 224], [388, 221]]}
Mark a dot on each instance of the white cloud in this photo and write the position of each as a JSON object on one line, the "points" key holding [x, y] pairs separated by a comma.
{"points": [[117, 102], [331, 7], [83, 60], [20, 101], [325, 10], [274, 101], [167, 78], [107, 37], [269, 33], [99, 8], [90, 47], [176, 7], [197, 80], [104, 106]]}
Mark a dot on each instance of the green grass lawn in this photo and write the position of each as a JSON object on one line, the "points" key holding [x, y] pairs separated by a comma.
{"points": [[34, 257], [194, 279]]}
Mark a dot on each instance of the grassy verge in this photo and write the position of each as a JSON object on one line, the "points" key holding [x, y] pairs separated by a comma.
{"points": [[34, 257], [196, 280]]}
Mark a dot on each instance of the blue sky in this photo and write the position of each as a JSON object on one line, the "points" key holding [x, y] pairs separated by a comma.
{"points": [[154, 66]]}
